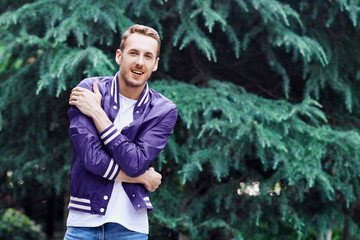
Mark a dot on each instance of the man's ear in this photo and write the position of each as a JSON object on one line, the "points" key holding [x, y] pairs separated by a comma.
{"points": [[118, 56], [156, 64]]}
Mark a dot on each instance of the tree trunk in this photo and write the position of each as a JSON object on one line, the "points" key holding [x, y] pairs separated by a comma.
{"points": [[346, 230]]}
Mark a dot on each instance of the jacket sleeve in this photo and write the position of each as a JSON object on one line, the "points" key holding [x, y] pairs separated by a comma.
{"points": [[134, 158], [89, 147]]}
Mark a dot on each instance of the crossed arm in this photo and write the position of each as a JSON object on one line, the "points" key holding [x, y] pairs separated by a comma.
{"points": [[89, 104], [150, 179]]}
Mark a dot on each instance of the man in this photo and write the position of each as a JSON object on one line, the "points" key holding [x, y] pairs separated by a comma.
{"points": [[118, 125]]}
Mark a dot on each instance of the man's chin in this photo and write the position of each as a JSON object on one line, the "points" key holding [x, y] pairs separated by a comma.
{"points": [[134, 84]]}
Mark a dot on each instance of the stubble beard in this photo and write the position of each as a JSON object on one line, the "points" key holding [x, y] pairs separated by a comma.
{"points": [[129, 83]]}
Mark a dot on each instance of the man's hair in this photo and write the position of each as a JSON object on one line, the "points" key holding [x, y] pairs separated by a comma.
{"points": [[141, 29]]}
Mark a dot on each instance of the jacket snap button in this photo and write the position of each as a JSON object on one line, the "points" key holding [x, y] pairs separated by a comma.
{"points": [[133, 195], [114, 107], [137, 112], [102, 210], [106, 197], [138, 205]]}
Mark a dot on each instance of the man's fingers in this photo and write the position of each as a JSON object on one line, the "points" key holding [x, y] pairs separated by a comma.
{"points": [[76, 92], [74, 99], [153, 189], [73, 102], [96, 87], [79, 90], [75, 95]]}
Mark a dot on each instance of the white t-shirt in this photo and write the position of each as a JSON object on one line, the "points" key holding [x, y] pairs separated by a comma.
{"points": [[120, 210]]}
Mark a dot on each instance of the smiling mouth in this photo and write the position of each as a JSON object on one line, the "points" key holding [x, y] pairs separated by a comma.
{"points": [[137, 72]]}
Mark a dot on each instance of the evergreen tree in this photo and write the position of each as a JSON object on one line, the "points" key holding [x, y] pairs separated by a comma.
{"points": [[267, 141]]}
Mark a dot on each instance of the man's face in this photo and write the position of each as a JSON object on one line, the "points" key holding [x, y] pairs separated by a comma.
{"points": [[137, 60]]}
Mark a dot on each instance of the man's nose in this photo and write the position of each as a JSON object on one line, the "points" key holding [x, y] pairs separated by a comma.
{"points": [[140, 60]]}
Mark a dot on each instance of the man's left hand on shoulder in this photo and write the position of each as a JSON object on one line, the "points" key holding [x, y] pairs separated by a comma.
{"points": [[86, 101]]}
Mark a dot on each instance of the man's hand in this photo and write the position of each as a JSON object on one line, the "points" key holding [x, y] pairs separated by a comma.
{"points": [[89, 104], [150, 179], [85, 100]]}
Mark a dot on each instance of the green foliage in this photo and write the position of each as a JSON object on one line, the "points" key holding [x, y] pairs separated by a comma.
{"points": [[268, 97], [16, 226], [232, 137]]}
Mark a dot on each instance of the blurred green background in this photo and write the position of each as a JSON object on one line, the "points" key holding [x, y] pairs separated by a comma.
{"points": [[267, 142]]}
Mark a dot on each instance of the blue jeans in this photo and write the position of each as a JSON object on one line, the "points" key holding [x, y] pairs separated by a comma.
{"points": [[108, 231]]}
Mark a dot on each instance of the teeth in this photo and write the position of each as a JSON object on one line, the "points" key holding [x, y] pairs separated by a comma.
{"points": [[136, 72]]}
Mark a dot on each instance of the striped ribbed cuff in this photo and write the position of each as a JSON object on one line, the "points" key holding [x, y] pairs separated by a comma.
{"points": [[109, 134], [112, 171]]}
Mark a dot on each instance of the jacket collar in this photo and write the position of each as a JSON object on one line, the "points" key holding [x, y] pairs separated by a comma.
{"points": [[144, 97]]}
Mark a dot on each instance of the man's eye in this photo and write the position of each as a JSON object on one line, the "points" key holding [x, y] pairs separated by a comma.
{"points": [[148, 56], [132, 53]]}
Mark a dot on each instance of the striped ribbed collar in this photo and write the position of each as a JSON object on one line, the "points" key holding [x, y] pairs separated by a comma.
{"points": [[144, 97]]}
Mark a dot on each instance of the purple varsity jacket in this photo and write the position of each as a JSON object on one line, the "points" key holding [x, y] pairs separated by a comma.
{"points": [[98, 157]]}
